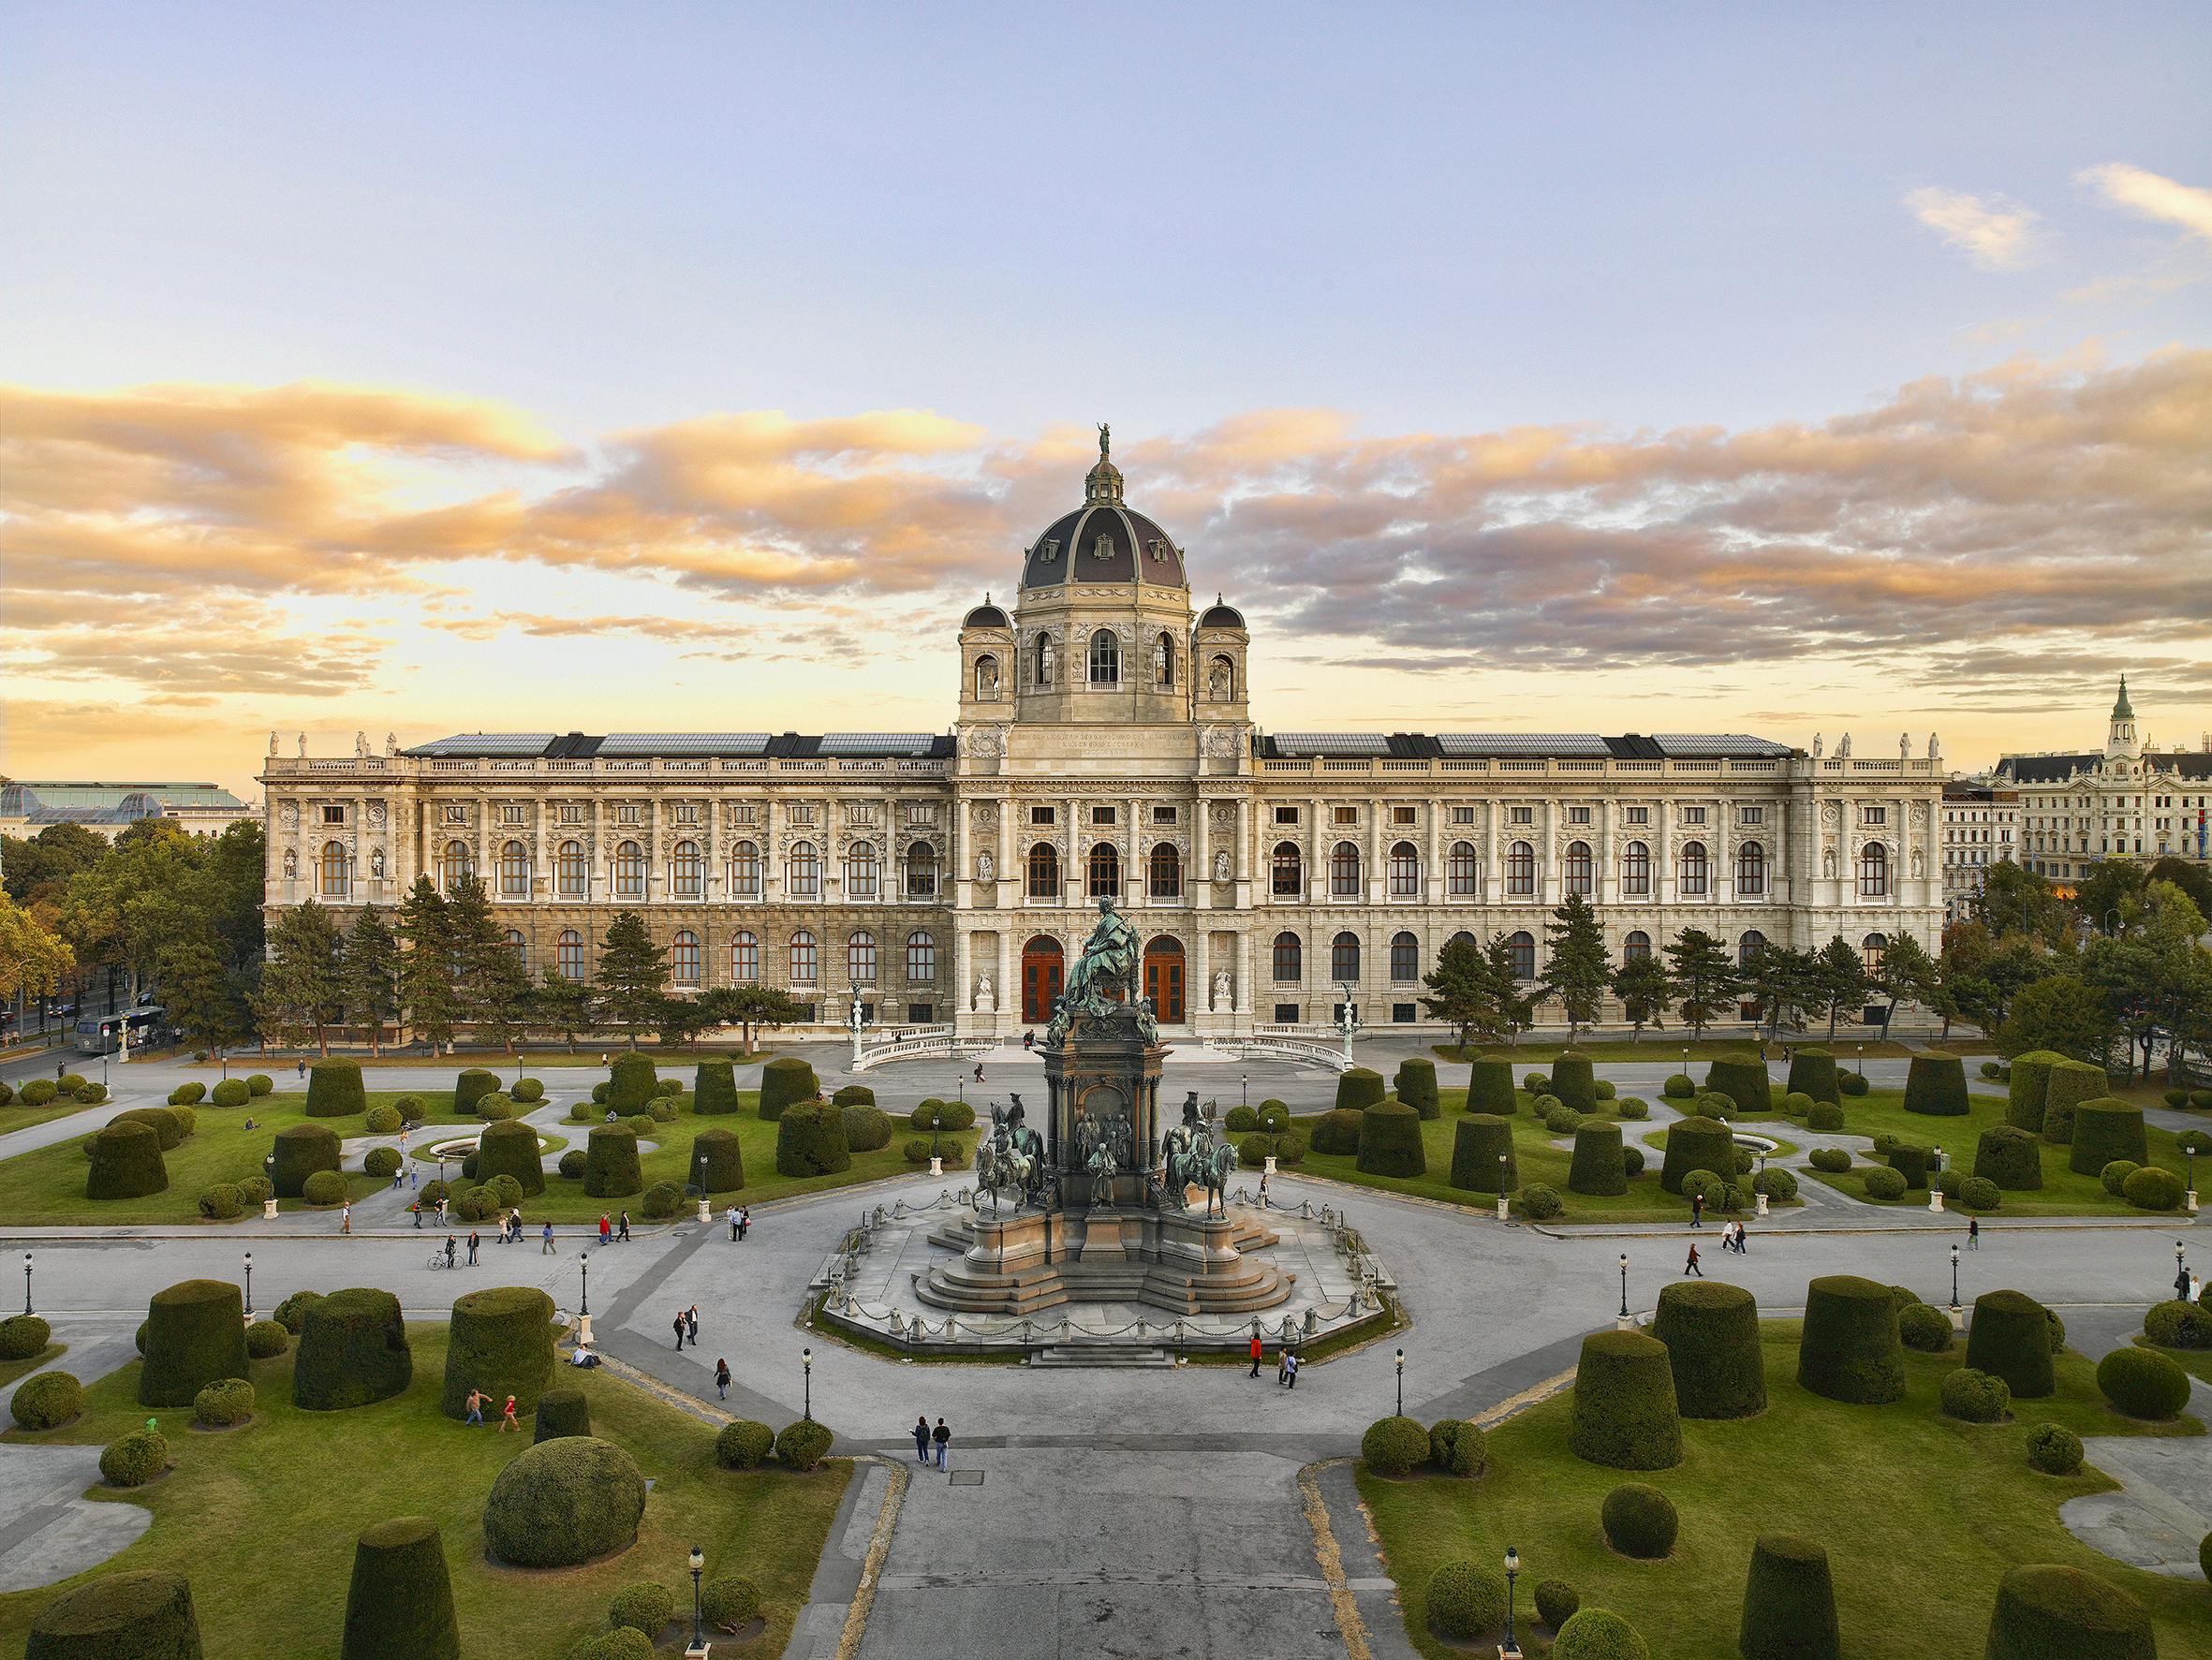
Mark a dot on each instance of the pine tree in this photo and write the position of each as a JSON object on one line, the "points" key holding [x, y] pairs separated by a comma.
{"points": [[1705, 980], [1909, 975], [1642, 986], [749, 1007], [1840, 976], [489, 980], [202, 998], [561, 1005], [372, 975], [1780, 983], [633, 972], [1515, 1009], [302, 991], [426, 972], [1460, 989], [1575, 970]]}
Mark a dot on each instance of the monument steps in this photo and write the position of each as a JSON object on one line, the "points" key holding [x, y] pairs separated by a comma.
{"points": [[1117, 1357]]}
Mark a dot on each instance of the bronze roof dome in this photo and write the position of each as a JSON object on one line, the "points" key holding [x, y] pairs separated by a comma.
{"points": [[1103, 540]]}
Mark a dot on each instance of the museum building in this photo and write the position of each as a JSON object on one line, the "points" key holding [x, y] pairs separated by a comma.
{"points": [[1105, 745]]}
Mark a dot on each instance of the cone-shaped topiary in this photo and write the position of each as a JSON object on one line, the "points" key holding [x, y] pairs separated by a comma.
{"points": [[1598, 1634], [1937, 1085], [145, 1615], [1574, 1081], [302, 1148], [1478, 1141], [1389, 1140], [1639, 1521], [784, 1081], [1711, 1330], [1490, 1087], [631, 1083], [561, 1412], [2009, 1338], [718, 1161], [563, 1502], [353, 1351], [1696, 1144], [2071, 1084], [195, 1334], [2008, 1156], [1788, 1602], [125, 1163], [1359, 1089], [1812, 1072], [1743, 1079], [334, 1089], [509, 1148], [1599, 1166], [714, 1090], [2106, 1129], [1624, 1415], [473, 1086], [1849, 1349], [2025, 1090], [810, 1141], [1416, 1085], [1337, 1130], [2044, 1612], [611, 1169], [501, 1342], [400, 1604]]}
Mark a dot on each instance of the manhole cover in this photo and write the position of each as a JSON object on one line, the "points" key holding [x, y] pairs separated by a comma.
{"points": [[967, 1478]]}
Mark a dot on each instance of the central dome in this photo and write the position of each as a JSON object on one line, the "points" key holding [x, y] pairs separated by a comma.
{"points": [[1103, 540]]}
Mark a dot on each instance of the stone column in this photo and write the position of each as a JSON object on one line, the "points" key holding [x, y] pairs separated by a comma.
{"points": [[1432, 868], [1608, 863], [1547, 854], [1492, 855], [1201, 842]]}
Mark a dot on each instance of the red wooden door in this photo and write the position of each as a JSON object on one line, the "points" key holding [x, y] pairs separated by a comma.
{"points": [[1042, 966]]}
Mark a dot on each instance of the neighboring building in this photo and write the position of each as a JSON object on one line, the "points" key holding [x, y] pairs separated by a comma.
{"points": [[1105, 746], [1981, 821], [2129, 802], [110, 809]]}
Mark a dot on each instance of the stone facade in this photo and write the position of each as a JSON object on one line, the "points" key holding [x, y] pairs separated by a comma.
{"points": [[1981, 828], [2132, 801]]}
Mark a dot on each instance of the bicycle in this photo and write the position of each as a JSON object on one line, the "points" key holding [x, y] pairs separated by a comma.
{"points": [[437, 1259]]}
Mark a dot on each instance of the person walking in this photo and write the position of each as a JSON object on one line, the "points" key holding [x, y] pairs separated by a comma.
{"points": [[1741, 1233], [921, 1438], [506, 1420], [2181, 1283], [733, 1225], [303, 1071], [1264, 1190], [415, 1210], [475, 1408], [1697, 1210], [1255, 1351], [606, 1231], [1691, 1266], [450, 1241], [399, 1177], [622, 1227], [978, 1071], [722, 1380], [441, 1210], [472, 1244], [346, 1217], [691, 1324], [1290, 1370], [1973, 1233], [744, 1221], [943, 1437], [545, 1247], [679, 1331]]}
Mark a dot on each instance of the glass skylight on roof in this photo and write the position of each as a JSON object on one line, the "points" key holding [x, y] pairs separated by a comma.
{"points": [[1716, 743], [1523, 743], [1309, 743], [877, 742], [488, 743], [684, 743]]}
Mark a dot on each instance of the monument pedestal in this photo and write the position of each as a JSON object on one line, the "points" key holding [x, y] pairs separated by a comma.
{"points": [[1107, 1236]]}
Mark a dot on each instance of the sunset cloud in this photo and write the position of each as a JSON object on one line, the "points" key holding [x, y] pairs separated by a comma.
{"points": [[1993, 231], [2154, 196]]}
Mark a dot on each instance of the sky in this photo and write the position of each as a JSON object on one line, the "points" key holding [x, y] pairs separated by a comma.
{"points": [[443, 368]]}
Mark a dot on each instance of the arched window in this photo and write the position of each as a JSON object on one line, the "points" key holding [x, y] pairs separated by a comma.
{"points": [[1463, 872], [568, 954], [573, 871], [1520, 870], [922, 956], [1164, 871], [1044, 659], [1105, 658], [864, 875], [1635, 871], [860, 959], [1693, 870], [1750, 870], [630, 871], [1405, 957], [1580, 870], [805, 964], [1343, 957], [1873, 950], [745, 870], [337, 870], [687, 871], [1636, 948], [1103, 871], [922, 871], [1344, 871], [1289, 871], [1464, 938], [1289, 960], [520, 946], [684, 957], [987, 679], [515, 871], [1748, 945], [805, 880], [1163, 660], [744, 957], [459, 864], [1045, 870], [1405, 871], [1521, 949], [1874, 871]]}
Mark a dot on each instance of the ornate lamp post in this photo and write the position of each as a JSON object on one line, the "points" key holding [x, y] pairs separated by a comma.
{"points": [[1862, 1059], [1624, 1286], [1955, 1279], [807, 1370], [699, 1563], [1401, 1383], [585, 1262], [249, 1284], [26, 1282], [1245, 1082], [1512, 1572]]}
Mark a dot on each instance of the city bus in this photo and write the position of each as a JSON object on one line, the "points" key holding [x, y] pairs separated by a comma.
{"points": [[101, 1034]]}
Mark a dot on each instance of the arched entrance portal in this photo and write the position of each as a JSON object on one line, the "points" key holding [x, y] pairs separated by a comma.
{"points": [[1044, 969], [1163, 977]]}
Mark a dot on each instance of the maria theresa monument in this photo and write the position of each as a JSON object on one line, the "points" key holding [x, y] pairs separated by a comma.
{"points": [[1104, 748]]}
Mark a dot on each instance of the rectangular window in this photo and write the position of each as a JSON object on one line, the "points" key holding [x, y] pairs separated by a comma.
{"points": [[921, 1014], [1040, 815], [741, 812], [1462, 816], [1693, 815], [1286, 1014], [687, 813], [1401, 1014], [1286, 816], [510, 812], [1876, 816], [921, 812], [571, 812], [1344, 815], [629, 813], [1753, 816], [333, 813], [1635, 815], [1578, 815], [803, 812], [1163, 815], [1404, 815], [456, 815], [1104, 816], [1524, 815], [860, 812]]}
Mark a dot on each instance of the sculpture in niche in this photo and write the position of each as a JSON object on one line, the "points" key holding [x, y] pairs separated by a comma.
{"points": [[1221, 865], [985, 1002], [987, 677], [1223, 1001], [985, 865], [292, 863], [1916, 862], [1218, 681], [376, 862], [1828, 864]]}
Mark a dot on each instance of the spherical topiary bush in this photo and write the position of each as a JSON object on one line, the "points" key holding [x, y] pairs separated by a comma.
{"points": [[46, 1401], [1788, 1602], [1631, 1161], [1394, 1446], [399, 1604], [2106, 1129], [1389, 1140], [2054, 1449], [509, 1148], [1556, 1602], [867, 1128], [631, 1083], [611, 1169], [501, 1342], [563, 1502], [40, 1092], [1274, 1117], [1625, 1412], [23, 1336], [661, 1109], [527, 1092], [127, 1162], [731, 1603], [1549, 1106], [2045, 1612], [718, 1162], [1337, 1131], [1465, 1600], [1926, 1328], [1598, 1166], [1695, 1143], [1598, 1634], [379, 1162], [135, 1459], [1540, 1203], [1240, 1121], [801, 1445], [1490, 1087], [2152, 1188], [572, 1164], [2069, 1085], [561, 1412], [2143, 1383], [1848, 1350], [1743, 1079], [784, 1082], [1574, 1081], [1826, 1117], [265, 1340], [1416, 1085], [622, 1643], [496, 1108], [324, 1187], [195, 1334], [382, 1120], [291, 1314], [810, 1141], [2009, 1338], [663, 1199], [231, 1092], [744, 1444], [1779, 1185], [224, 1404], [646, 1607], [1711, 1333], [1458, 1446], [1851, 1083], [1639, 1521], [2175, 1325], [301, 1150], [1831, 1159], [1885, 1183], [1359, 1088], [2114, 1175], [145, 1615], [1975, 1397], [353, 1351], [640, 1125], [1537, 1083]]}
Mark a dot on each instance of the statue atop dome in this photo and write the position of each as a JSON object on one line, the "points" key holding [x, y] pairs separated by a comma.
{"points": [[1103, 482]]}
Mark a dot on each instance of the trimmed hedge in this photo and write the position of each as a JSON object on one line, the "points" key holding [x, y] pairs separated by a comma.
{"points": [[802, 1445], [324, 1187], [1695, 1144], [291, 1314], [1711, 1333], [46, 1401], [231, 1092], [334, 1089], [611, 1169], [2106, 1129], [471, 1087], [2071, 1084], [1458, 1446], [561, 1412], [867, 1129], [1911, 1163], [1926, 1328], [2025, 1090], [1936, 1085], [731, 1603], [1812, 1072], [195, 1334], [2152, 1188], [1389, 1140], [563, 1502], [1394, 1446], [1416, 1085], [744, 1444], [1274, 1117], [23, 1336], [2008, 1156], [353, 1352], [1849, 1350], [1788, 1602], [1359, 1089], [785, 1081], [1831, 1159], [810, 1140], [714, 1089], [1598, 1634], [631, 1083], [1885, 1183], [2043, 1613], [266, 1339], [645, 1607], [528, 1091], [1744, 1081], [509, 1148], [1477, 1140], [1556, 1602], [226, 1401], [1624, 1411], [2054, 1449], [1464, 1600], [1639, 1521], [1974, 1397], [2143, 1383], [496, 1108], [127, 1162], [501, 1342], [1574, 1081], [1490, 1087], [718, 1160], [399, 1604], [301, 1150], [143, 1615], [1598, 1166], [170, 1124], [572, 1165], [662, 1200]]}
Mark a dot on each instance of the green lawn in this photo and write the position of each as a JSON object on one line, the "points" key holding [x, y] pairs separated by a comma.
{"points": [[1920, 1516], [12, 1370], [16, 1116], [2062, 1193], [269, 1585]]}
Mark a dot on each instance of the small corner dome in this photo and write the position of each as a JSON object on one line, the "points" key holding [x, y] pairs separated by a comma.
{"points": [[986, 616], [1221, 616]]}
